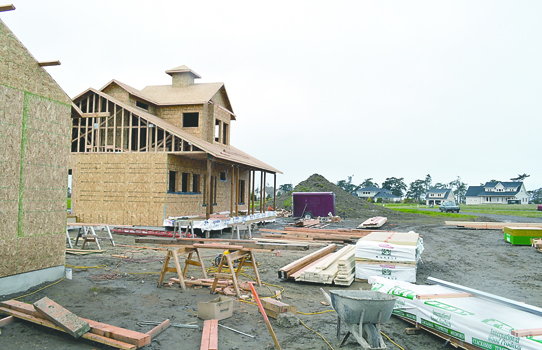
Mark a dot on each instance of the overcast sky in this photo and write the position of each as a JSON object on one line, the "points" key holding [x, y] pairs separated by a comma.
{"points": [[373, 89]]}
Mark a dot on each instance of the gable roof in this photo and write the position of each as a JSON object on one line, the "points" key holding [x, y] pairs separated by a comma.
{"points": [[477, 191], [504, 183], [473, 191], [383, 195], [370, 188], [230, 154]]}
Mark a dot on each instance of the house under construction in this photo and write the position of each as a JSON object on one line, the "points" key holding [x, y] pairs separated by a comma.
{"points": [[138, 156]]}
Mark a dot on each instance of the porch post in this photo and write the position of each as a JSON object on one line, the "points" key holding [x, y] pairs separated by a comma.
{"points": [[209, 192]]}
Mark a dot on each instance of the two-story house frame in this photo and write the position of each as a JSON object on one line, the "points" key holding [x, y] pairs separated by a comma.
{"points": [[138, 156]]}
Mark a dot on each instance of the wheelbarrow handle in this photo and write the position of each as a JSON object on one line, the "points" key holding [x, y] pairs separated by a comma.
{"points": [[326, 296]]}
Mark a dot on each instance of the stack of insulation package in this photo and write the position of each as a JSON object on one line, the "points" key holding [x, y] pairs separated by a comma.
{"points": [[392, 255]]}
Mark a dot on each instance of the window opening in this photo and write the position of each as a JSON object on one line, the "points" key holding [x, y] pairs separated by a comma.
{"points": [[225, 133], [223, 176], [241, 191], [142, 105], [191, 120], [217, 130], [185, 182], [195, 183], [172, 175]]}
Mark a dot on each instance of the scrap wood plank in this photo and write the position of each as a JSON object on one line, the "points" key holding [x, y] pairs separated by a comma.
{"points": [[6, 321], [102, 329], [526, 332], [68, 321], [209, 337], [158, 329], [91, 336]]}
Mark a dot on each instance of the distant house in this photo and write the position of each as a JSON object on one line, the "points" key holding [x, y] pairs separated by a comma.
{"points": [[374, 193], [498, 192], [436, 196]]}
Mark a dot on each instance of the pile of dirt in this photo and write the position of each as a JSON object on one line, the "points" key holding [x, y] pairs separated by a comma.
{"points": [[346, 204]]}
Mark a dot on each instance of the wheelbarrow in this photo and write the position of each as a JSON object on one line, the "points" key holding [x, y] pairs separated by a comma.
{"points": [[363, 311]]}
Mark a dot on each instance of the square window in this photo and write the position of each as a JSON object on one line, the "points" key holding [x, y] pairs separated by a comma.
{"points": [[191, 120], [223, 176]]}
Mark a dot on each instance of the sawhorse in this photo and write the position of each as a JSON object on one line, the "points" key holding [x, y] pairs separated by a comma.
{"points": [[92, 236], [173, 253], [246, 258]]}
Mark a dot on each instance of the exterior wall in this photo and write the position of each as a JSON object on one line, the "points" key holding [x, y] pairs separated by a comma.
{"points": [[174, 115], [34, 147], [473, 200], [119, 188], [152, 109], [117, 92], [131, 188]]}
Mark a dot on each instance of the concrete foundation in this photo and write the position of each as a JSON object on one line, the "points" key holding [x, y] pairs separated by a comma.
{"points": [[21, 282]]}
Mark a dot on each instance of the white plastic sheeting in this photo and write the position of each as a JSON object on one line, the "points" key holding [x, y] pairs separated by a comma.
{"points": [[220, 224], [484, 323]]}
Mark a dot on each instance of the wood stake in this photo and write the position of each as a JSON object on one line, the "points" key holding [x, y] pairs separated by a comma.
{"points": [[255, 294]]}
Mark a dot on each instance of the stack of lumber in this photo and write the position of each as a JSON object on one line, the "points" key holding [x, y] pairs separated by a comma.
{"points": [[340, 235], [283, 213], [323, 266], [214, 242], [374, 222], [521, 235], [392, 255], [491, 225], [346, 270], [307, 222], [288, 270]]}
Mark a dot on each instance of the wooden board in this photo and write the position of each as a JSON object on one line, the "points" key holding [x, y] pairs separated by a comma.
{"points": [[69, 322], [287, 270], [247, 246], [490, 225]]}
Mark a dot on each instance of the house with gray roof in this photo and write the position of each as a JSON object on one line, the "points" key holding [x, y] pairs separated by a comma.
{"points": [[498, 192], [436, 196], [374, 193]]}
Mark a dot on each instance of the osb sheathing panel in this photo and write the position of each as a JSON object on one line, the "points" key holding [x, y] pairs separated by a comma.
{"points": [[34, 145], [120, 188]]}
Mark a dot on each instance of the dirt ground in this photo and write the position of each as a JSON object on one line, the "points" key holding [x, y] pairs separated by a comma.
{"points": [[122, 292]]}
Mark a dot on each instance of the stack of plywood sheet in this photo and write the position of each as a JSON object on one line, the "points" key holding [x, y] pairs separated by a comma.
{"points": [[521, 235], [392, 255], [326, 270]]}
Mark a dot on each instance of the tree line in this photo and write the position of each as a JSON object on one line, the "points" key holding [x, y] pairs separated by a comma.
{"points": [[418, 189], [415, 191]]}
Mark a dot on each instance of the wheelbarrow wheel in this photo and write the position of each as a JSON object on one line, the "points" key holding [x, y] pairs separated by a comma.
{"points": [[370, 334]]}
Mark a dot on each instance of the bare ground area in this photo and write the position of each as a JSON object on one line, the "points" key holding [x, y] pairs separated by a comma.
{"points": [[122, 292]]}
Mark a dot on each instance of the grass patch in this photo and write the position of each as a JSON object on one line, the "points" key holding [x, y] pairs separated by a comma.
{"points": [[435, 214]]}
